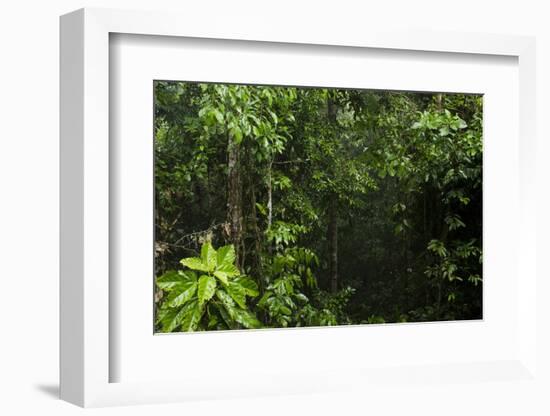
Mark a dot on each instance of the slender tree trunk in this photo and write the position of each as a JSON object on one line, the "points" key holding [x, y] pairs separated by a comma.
{"points": [[257, 255], [234, 198], [439, 102]]}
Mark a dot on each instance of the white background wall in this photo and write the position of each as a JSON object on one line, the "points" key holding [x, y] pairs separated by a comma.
{"points": [[29, 56]]}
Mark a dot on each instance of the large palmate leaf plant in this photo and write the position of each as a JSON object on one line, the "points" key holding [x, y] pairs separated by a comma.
{"points": [[209, 293]]}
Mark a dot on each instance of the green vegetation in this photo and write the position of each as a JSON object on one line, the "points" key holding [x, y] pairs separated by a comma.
{"points": [[326, 206]]}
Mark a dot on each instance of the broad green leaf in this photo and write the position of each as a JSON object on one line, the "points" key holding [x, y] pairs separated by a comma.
{"points": [[167, 319], [172, 318], [237, 134], [226, 301], [162, 312], [203, 111], [230, 322], [192, 317], [218, 114], [247, 319], [195, 263], [250, 287], [265, 298], [182, 293], [232, 313], [285, 310], [173, 278], [237, 293], [301, 297], [444, 131], [206, 288], [222, 276], [226, 255], [230, 270], [208, 256]]}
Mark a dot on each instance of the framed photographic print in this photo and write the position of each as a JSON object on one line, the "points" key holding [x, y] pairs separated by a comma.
{"points": [[287, 212], [256, 185]]}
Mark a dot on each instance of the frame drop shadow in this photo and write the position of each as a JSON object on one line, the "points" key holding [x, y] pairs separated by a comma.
{"points": [[51, 390]]}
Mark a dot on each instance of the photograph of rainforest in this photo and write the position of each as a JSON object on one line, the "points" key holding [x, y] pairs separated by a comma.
{"points": [[280, 207]]}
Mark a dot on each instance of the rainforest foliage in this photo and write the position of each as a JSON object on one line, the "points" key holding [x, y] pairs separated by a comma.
{"points": [[289, 207]]}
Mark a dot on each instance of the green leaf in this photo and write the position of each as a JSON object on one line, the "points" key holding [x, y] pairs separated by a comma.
{"points": [[237, 293], [226, 255], [206, 288], [173, 278], [195, 263], [229, 321], [265, 299], [208, 256], [237, 134], [182, 293], [172, 318], [285, 310], [222, 276], [191, 317], [250, 287], [454, 222], [203, 111], [261, 208], [166, 317], [247, 319], [229, 270], [437, 247], [302, 298], [226, 301], [475, 279], [218, 114], [234, 314]]}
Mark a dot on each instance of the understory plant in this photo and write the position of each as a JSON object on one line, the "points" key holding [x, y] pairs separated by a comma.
{"points": [[292, 298], [209, 293]]}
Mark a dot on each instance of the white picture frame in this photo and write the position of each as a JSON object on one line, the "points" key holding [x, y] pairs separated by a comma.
{"points": [[85, 354]]}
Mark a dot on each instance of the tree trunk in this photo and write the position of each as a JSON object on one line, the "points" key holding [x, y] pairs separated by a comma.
{"points": [[439, 102], [333, 244], [257, 255], [234, 198]]}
